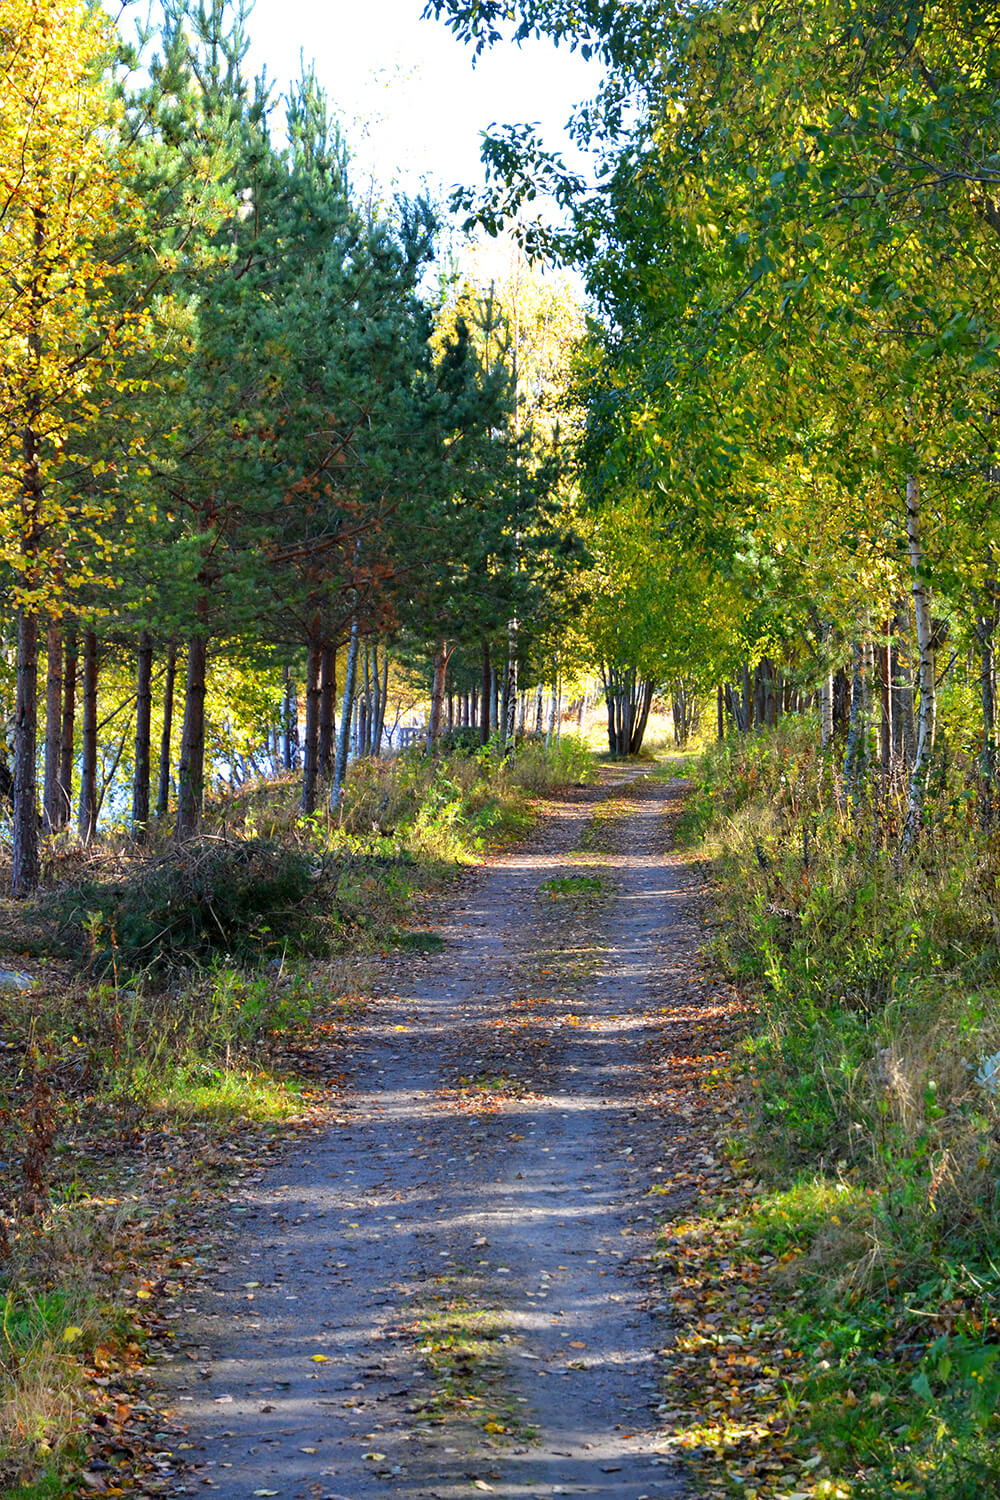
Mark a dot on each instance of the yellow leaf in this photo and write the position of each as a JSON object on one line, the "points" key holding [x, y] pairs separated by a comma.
{"points": [[321, 1359], [71, 1334]]}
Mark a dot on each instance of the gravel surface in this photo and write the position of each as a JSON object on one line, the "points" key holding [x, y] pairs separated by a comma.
{"points": [[487, 1182]]}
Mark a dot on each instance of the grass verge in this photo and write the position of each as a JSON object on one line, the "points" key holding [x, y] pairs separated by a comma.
{"points": [[838, 1290]]}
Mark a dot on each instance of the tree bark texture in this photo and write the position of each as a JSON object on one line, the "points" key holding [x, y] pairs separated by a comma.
{"points": [[67, 733], [485, 696], [51, 794], [310, 748], [163, 779], [143, 726], [926, 667], [856, 752], [25, 854], [344, 738], [628, 698], [327, 709], [986, 629], [191, 769], [290, 733], [438, 685], [87, 818]]}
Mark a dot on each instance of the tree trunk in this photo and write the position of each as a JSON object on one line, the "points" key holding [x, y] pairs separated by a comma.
{"points": [[841, 704], [327, 709], [508, 706], [163, 779], [143, 721], [556, 704], [383, 704], [191, 770], [826, 711], [25, 855], [856, 753], [438, 685], [67, 733], [485, 696], [25, 865], [926, 669], [344, 738], [747, 698], [51, 793], [88, 769], [903, 719], [310, 750], [640, 718], [885, 695], [290, 731], [986, 629]]}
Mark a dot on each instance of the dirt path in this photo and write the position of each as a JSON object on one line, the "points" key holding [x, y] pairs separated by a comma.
{"points": [[450, 1292]]}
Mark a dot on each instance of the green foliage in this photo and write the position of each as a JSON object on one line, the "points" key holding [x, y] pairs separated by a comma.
{"points": [[203, 898], [873, 1072], [565, 761]]}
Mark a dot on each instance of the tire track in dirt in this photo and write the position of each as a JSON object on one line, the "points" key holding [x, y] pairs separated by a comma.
{"points": [[496, 1151]]}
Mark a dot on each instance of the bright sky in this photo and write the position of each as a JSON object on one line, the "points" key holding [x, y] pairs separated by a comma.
{"points": [[413, 103]]}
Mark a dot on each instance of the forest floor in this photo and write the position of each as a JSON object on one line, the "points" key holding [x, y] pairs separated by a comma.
{"points": [[450, 1284]]}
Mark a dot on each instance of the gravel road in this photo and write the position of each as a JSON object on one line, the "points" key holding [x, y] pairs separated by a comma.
{"points": [[450, 1292]]}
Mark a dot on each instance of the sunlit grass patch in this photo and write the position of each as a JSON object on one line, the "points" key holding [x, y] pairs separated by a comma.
{"points": [[462, 1344], [200, 1092], [573, 885]]}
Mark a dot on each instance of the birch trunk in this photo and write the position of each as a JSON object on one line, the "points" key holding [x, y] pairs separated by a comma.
{"points": [[926, 668], [826, 711], [384, 703], [88, 767], [344, 738], [51, 794], [886, 736], [143, 721], [437, 694], [856, 751], [67, 734]]}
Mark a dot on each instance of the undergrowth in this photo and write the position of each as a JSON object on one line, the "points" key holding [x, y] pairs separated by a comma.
{"points": [[184, 998], [873, 1075]]}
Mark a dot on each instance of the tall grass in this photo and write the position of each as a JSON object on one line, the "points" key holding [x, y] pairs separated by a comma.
{"points": [[874, 1068]]}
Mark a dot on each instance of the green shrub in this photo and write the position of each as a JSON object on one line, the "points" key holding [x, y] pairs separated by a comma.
{"points": [[874, 1062], [207, 897]]}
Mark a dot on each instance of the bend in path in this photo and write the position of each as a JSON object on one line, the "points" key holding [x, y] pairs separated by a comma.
{"points": [[486, 1182]]}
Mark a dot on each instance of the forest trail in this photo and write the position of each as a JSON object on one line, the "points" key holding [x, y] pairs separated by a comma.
{"points": [[452, 1290]]}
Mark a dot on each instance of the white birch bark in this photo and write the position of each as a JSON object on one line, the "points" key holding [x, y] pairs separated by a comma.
{"points": [[926, 672]]}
